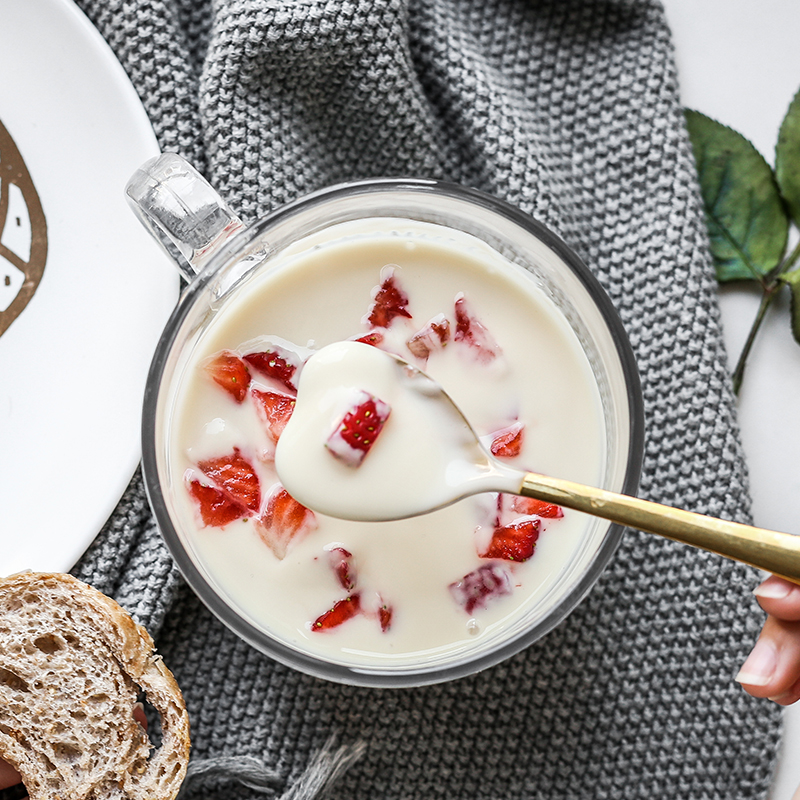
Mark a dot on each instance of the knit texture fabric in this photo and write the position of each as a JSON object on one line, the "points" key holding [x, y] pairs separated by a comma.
{"points": [[568, 109]]}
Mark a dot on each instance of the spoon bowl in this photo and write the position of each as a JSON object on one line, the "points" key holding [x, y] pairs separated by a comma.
{"points": [[428, 456]]}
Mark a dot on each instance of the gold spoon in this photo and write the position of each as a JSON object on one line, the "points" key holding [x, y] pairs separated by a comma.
{"points": [[431, 457]]}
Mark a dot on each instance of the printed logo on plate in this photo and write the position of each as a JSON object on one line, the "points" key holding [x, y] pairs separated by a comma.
{"points": [[23, 234]]}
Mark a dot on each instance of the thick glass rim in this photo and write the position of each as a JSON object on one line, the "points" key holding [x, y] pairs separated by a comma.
{"points": [[389, 676]]}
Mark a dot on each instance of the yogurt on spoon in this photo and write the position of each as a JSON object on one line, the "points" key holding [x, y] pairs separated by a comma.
{"points": [[425, 455]]}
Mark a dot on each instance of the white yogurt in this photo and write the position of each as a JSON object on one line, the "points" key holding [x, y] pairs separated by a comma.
{"points": [[320, 294]]}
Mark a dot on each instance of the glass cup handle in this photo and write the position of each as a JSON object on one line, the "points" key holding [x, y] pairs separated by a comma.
{"points": [[172, 199]]}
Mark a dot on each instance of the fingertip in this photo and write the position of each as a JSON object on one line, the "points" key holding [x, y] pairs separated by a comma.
{"points": [[772, 670], [757, 673], [789, 697], [774, 588], [8, 775], [779, 598]]}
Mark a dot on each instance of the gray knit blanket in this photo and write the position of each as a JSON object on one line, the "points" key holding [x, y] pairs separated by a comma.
{"points": [[568, 109]]}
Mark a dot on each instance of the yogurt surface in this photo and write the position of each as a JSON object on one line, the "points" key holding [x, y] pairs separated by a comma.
{"points": [[538, 381]]}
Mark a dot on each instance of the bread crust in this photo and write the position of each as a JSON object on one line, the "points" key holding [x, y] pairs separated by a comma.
{"points": [[72, 664]]}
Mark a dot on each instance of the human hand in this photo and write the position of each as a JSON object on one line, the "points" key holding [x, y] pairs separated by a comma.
{"points": [[8, 776], [773, 667]]}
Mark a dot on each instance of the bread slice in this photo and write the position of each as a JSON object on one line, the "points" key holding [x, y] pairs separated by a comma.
{"points": [[72, 664]]}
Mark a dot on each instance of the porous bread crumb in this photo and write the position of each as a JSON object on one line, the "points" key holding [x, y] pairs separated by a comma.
{"points": [[72, 666]]}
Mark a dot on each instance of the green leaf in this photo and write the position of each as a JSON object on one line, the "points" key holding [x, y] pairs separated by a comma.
{"points": [[746, 219], [792, 280], [787, 158]]}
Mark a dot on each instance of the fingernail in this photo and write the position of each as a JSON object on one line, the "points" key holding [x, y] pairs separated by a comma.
{"points": [[773, 589], [760, 665]]}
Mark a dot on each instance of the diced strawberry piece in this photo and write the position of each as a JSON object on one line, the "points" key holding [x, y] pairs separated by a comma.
{"points": [[216, 508], [385, 613], [390, 301], [277, 363], [507, 442], [476, 588], [375, 607], [375, 338], [498, 519], [274, 409], [283, 521], [434, 336], [236, 477], [539, 508], [514, 542], [343, 564], [231, 373], [341, 611], [471, 331], [358, 429]]}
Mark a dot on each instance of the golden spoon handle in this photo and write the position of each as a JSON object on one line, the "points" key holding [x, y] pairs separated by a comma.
{"points": [[778, 553]]}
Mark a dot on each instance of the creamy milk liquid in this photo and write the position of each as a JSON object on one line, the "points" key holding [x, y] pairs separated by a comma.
{"points": [[319, 295]]}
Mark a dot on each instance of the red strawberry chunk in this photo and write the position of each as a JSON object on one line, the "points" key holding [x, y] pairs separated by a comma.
{"points": [[231, 373], [216, 508], [235, 476], [375, 607], [434, 336], [480, 586], [539, 508], [514, 542], [283, 521], [358, 429], [471, 331], [343, 565], [341, 611], [277, 363], [390, 301], [498, 519], [375, 338], [507, 442], [274, 409], [385, 613]]}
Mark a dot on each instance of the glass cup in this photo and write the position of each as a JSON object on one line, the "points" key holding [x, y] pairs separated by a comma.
{"points": [[222, 260]]}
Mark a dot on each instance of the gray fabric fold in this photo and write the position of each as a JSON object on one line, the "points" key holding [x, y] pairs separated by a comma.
{"points": [[569, 110]]}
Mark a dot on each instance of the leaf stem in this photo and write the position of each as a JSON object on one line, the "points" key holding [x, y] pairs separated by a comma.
{"points": [[771, 284], [784, 266], [769, 295]]}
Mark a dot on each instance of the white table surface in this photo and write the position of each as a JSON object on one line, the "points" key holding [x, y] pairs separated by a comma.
{"points": [[739, 62]]}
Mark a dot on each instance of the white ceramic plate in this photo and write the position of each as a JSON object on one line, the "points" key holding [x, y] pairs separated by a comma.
{"points": [[73, 361]]}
